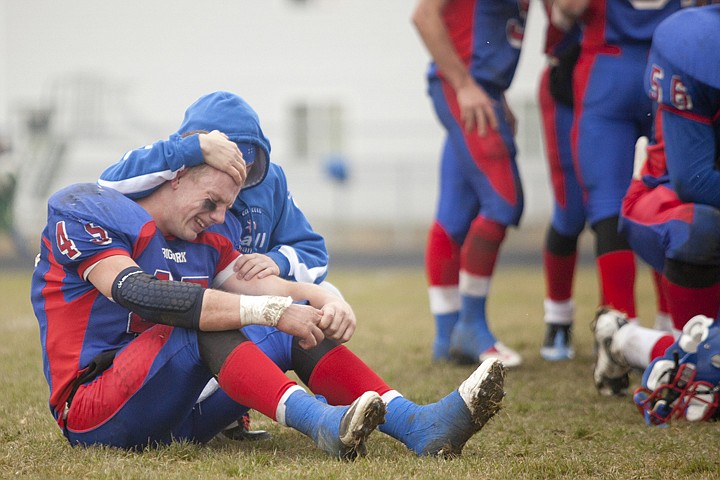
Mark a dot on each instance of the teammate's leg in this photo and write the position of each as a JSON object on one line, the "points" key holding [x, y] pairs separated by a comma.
{"points": [[682, 242], [568, 221], [442, 253], [616, 267], [622, 345], [559, 262], [476, 216], [663, 319], [472, 337], [612, 112]]}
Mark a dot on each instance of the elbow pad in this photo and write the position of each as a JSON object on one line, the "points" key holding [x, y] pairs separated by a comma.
{"points": [[159, 301]]}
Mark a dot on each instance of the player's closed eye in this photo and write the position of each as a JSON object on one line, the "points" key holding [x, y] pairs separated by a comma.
{"points": [[209, 205]]}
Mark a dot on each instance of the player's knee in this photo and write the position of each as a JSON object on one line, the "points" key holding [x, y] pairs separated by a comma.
{"points": [[559, 244], [215, 347], [701, 243], [691, 275], [305, 360], [609, 239]]}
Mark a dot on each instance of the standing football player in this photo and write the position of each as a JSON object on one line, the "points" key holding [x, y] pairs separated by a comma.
{"points": [[475, 47], [611, 113]]}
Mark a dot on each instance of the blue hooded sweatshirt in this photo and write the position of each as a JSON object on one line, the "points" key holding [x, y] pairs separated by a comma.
{"points": [[265, 218], [155, 164]]}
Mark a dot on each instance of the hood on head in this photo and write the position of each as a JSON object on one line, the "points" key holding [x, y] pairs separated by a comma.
{"points": [[230, 114]]}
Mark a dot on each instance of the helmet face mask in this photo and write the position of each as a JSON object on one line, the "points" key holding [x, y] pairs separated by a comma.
{"points": [[683, 397]]}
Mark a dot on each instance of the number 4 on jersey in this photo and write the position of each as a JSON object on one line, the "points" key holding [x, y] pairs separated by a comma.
{"points": [[64, 243]]}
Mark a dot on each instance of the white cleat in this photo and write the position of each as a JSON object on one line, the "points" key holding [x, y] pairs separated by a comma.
{"points": [[483, 391], [610, 370]]}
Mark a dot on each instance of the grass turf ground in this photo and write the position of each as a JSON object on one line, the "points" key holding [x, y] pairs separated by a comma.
{"points": [[553, 424]]}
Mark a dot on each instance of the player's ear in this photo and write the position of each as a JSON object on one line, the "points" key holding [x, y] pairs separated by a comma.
{"points": [[176, 181]]}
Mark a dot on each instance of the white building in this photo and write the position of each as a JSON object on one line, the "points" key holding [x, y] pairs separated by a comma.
{"points": [[327, 77]]}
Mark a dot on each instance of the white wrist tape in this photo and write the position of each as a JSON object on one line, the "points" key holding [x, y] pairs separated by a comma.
{"points": [[262, 309]]}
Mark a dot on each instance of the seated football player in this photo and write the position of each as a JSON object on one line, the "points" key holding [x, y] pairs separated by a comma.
{"points": [[139, 306]]}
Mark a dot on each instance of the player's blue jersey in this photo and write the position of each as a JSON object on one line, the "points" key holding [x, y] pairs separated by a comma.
{"points": [[487, 35], [87, 223], [683, 78], [270, 221], [625, 22]]}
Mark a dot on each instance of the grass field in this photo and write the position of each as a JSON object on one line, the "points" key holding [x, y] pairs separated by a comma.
{"points": [[553, 424]]}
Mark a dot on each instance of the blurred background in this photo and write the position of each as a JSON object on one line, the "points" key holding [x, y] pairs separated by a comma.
{"points": [[339, 86]]}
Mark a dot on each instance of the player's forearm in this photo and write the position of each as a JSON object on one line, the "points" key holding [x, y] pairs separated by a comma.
{"points": [[220, 311], [314, 294], [184, 304], [690, 154], [227, 311], [427, 19], [145, 168]]}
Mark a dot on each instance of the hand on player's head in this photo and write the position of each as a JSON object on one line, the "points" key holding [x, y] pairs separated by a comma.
{"points": [[221, 153]]}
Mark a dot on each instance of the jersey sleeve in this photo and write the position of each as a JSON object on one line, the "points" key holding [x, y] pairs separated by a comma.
{"points": [[222, 255], [87, 223], [299, 251], [142, 170], [690, 112]]}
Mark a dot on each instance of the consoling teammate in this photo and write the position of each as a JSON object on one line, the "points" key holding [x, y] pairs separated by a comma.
{"points": [[276, 238], [475, 47]]}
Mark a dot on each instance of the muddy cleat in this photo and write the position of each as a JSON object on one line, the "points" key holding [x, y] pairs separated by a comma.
{"points": [[611, 370], [483, 391], [356, 424], [443, 428], [557, 345], [240, 431]]}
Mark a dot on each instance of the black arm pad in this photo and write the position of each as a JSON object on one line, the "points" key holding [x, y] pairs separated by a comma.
{"points": [[159, 301]]}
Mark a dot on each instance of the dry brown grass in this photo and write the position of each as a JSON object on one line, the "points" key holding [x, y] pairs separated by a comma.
{"points": [[553, 424]]}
